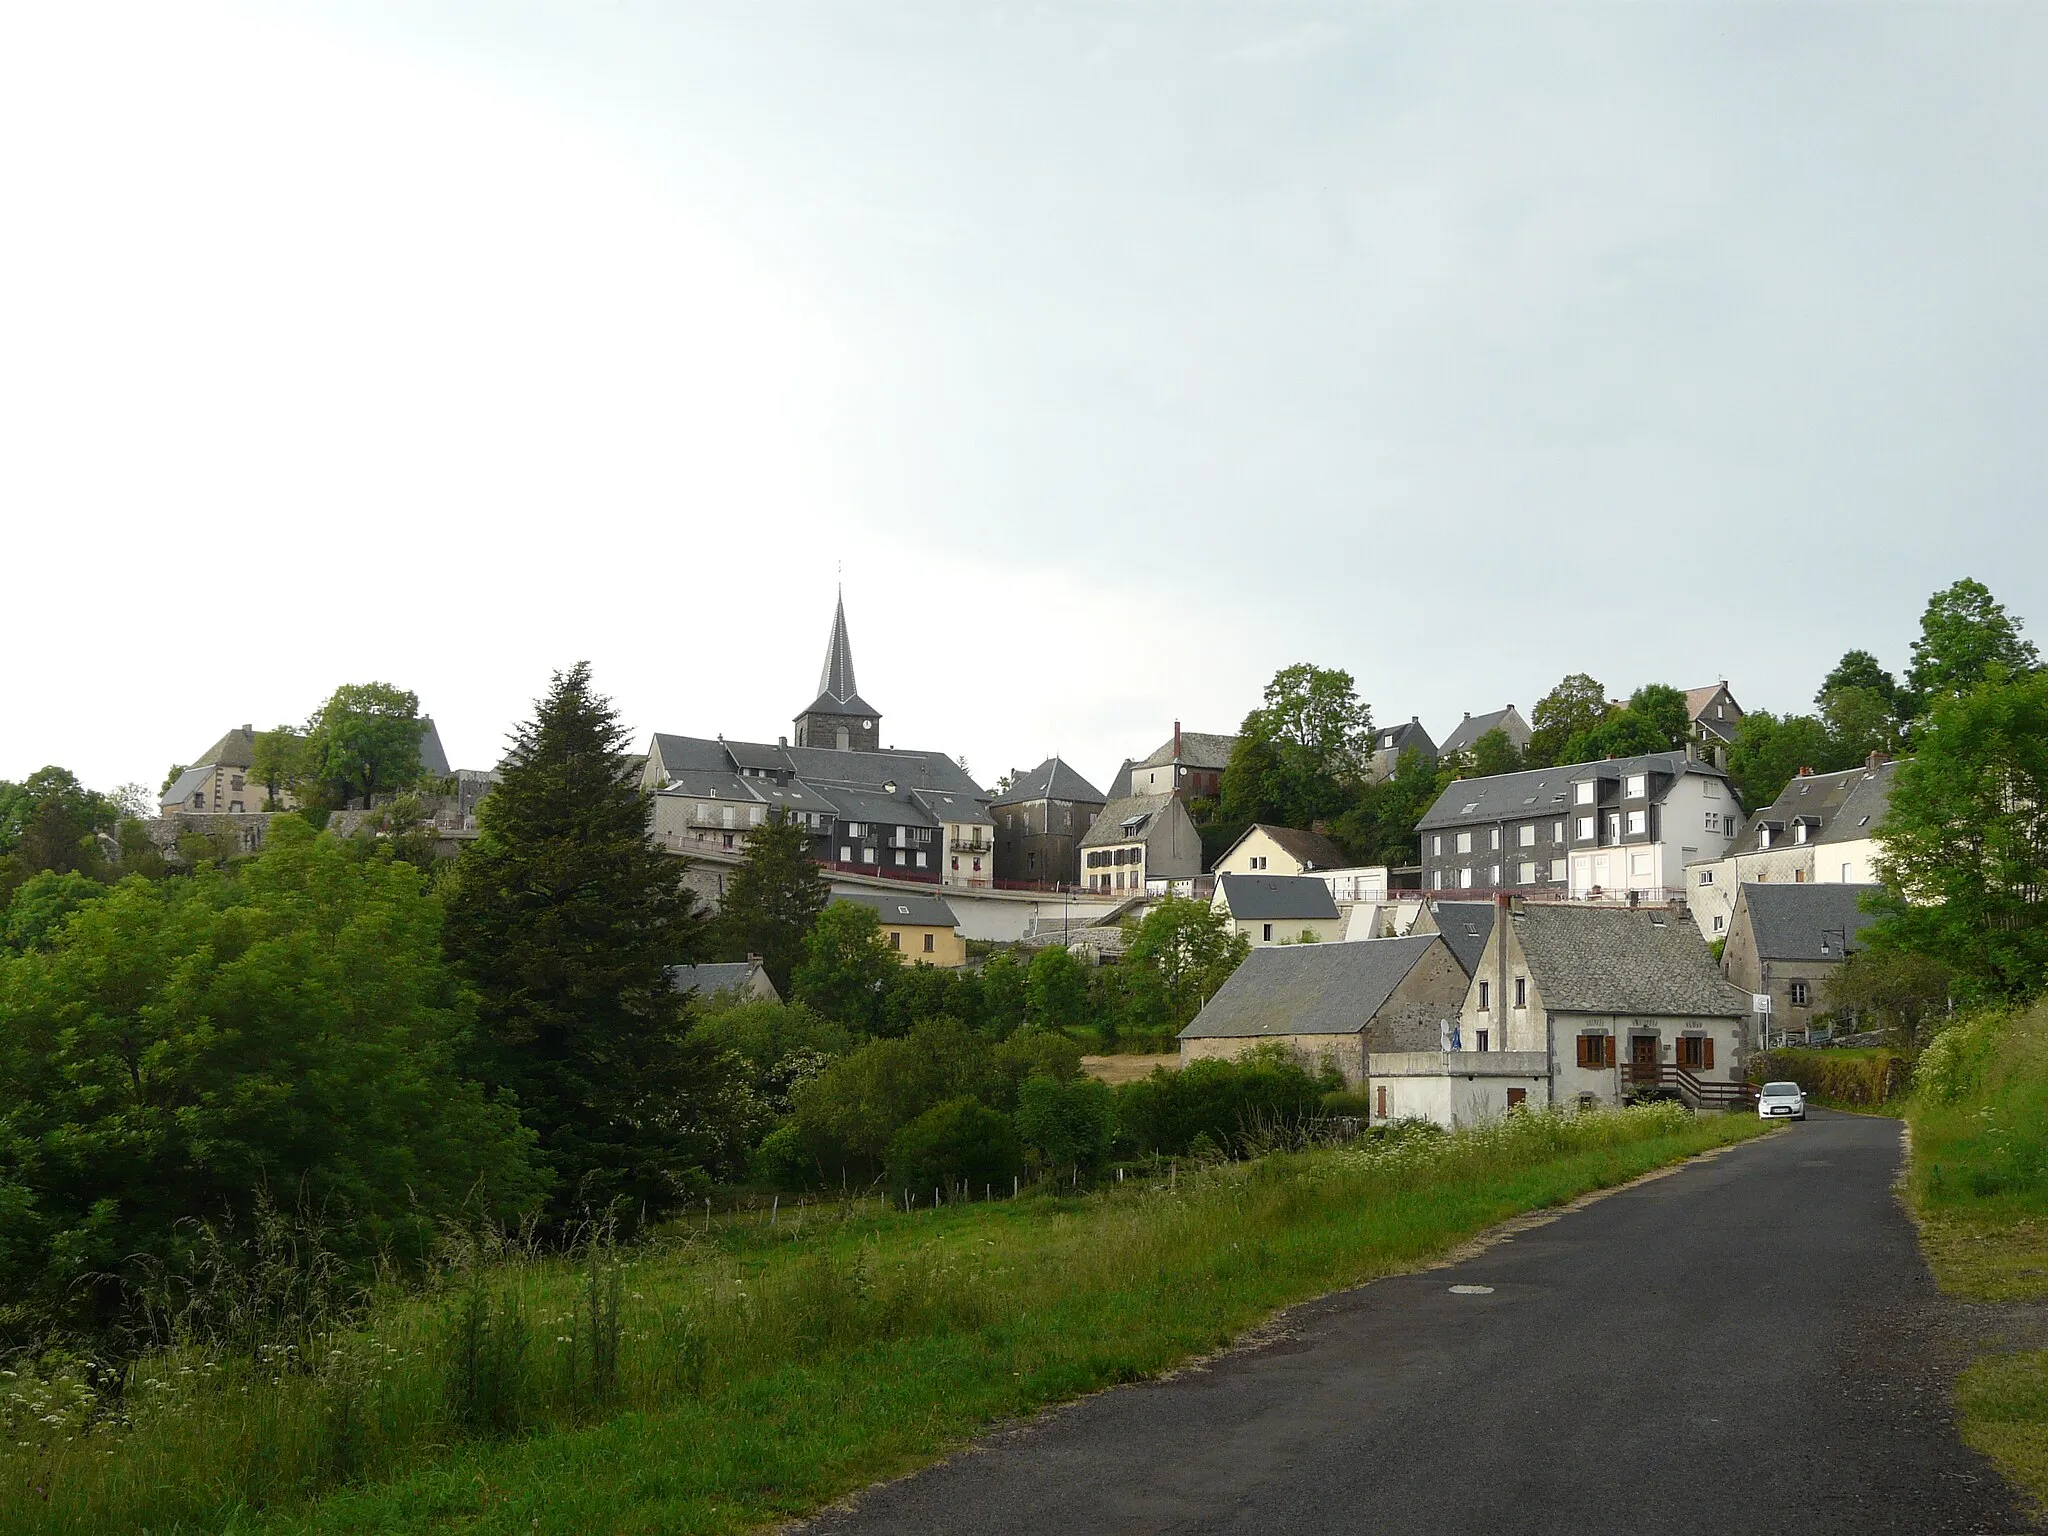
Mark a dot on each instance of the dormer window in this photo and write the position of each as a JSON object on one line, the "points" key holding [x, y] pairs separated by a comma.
{"points": [[1799, 832], [1637, 785]]}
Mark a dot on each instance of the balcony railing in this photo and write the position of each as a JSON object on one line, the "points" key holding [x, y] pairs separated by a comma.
{"points": [[957, 845]]}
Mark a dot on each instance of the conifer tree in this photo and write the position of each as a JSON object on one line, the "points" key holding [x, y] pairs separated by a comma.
{"points": [[772, 899], [567, 919]]}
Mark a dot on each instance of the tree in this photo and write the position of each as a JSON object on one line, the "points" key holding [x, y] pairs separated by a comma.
{"points": [[1297, 754], [1964, 843], [1769, 752], [1495, 752], [1655, 720], [1180, 954], [958, 1141], [567, 921], [1056, 990], [365, 741], [1858, 669], [1859, 721], [847, 970], [1663, 709], [1966, 636], [1070, 1125], [1902, 993], [176, 1049], [85, 809], [35, 916], [279, 761], [1576, 705], [772, 899]]}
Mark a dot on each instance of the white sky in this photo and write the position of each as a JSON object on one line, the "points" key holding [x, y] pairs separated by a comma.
{"points": [[1122, 353]]}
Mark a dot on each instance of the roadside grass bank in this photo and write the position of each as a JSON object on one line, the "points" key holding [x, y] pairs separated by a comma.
{"points": [[1863, 1081], [733, 1377], [1979, 1185]]}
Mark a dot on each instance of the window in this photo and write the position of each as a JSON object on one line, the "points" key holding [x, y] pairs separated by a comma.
{"points": [[1717, 924], [1436, 843], [1258, 861], [1493, 876], [1713, 821], [845, 854], [1582, 792], [1639, 864], [1800, 994], [895, 939], [1517, 1097], [977, 866], [234, 781], [853, 829], [1464, 842], [1268, 934], [1846, 880], [1465, 879], [1696, 1052], [1436, 880], [1635, 786], [1638, 823], [1485, 996], [1763, 837], [1614, 826], [1711, 788], [928, 943], [956, 861], [867, 855], [1585, 829], [1596, 1051], [899, 858], [754, 815], [1485, 1040], [1493, 838], [921, 865], [1526, 872], [1799, 832], [1557, 831], [1521, 991], [1525, 835]]}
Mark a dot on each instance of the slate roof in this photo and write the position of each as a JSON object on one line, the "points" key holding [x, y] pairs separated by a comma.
{"points": [[433, 759], [1276, 898], [188, 781], [964, 810], [1472, 727], [1624, 960], [1108, 828], [1050, 780], [1198, 749], [1120, 781], [1465, 926], [237, 749], [1399, 738], [1696, 702], [1308, 989], [725, 977], [817, 766], [1544, 791], [1311, 850], [837, 694], [907, 910], [1850, 805], [873, 805], [1789, 919]]}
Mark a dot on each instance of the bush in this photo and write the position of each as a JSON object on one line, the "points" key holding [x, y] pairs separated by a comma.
{"points": [[1070, 1125], [1857, 1079], [1235, 1103], [960, 1139], [1980, 1120]]}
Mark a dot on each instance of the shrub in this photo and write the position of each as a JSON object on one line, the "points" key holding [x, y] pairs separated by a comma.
{"points": [[1069, 1125], [960, 1139], [1859, 1079], [1232, 1102]]}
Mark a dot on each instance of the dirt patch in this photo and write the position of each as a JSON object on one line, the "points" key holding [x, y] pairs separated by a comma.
{"points": [[1127, 1069]]}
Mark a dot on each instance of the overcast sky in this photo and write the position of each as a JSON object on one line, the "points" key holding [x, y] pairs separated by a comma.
{"points": [[1121, 354]]}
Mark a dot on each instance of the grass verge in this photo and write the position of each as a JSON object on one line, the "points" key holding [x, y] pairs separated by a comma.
{"points": [[1979, 1186], [753, 1374]]}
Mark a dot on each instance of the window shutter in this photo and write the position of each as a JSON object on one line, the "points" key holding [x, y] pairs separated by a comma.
{"points": [[1608, 1052], [1707, 1047]]}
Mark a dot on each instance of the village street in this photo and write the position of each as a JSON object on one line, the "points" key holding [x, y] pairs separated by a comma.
{"points": [[1750, 1344]]}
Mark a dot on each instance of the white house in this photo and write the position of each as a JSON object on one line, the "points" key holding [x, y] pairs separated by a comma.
{"points": [[1278, 909]]}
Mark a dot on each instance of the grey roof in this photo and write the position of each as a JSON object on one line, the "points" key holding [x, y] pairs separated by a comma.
{"points": [[1050, 780], [1198, 749], [729, 976], [188, 781], [1399, 738], [1120, 781], [908, 910], [837, 694], [1465, 926], [1850, 805], [966, 810], [1308, 989], [1311, 850], [1472, 727], [1790, 920], [1544, 791], [866, 805], [1276, 898], [237, 749], [1108, 828], [906, 768], [1624, 960], [1696, 702], [433, 760]]}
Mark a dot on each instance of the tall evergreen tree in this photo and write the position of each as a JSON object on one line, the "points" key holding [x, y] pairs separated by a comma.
{"points": [[772, 899], [566, 919]]}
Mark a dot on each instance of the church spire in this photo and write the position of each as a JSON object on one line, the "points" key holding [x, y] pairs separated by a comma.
{"points": [[835, 682], [839, 716]]}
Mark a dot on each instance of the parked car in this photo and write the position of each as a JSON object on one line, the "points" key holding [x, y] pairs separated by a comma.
{"points": [[1781, 1101]]}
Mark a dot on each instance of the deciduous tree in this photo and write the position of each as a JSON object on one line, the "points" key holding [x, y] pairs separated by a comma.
{"points": [[365, 740], [1965, 636], [847, 969]]}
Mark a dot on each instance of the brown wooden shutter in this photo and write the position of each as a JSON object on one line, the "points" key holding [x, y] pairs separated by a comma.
{"points": [[1707, 1048], [1607, 1054], [1584, 1041]]}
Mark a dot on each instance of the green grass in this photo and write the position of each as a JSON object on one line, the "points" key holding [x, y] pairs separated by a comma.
{"points": [[1979, 1185], [762, 1373], [1861, 1080]]}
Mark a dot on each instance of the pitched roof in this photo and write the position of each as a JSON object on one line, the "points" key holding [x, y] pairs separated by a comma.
{"points": [[1110, 827], [1399, 738], [1791, 920], [906, 910], [237, 749], [1849, 805], [837, 694], [433, 759], [964, 810], [1311, 850], [1544, 791], [1623, 960], [188, 781], [1198, 749], [1276, 898], [728, 976], [1308, 989], [1465, 926], [906, 768], [1050, 780], [1472, 727]]}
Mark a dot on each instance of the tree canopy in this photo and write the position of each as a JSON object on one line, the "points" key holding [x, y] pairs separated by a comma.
{"points": [[364, 741], [772, 899], [1966, 636]]}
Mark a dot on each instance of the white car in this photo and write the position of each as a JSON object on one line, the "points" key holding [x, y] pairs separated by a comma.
{"points": [[1781, 1101]]}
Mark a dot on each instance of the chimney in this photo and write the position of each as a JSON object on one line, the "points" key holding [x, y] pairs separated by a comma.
{"points": [[1176, 741], [1877, 759], [1320, 827], [1720, 757], [1806, 772], [249, 730], [782, 741]]}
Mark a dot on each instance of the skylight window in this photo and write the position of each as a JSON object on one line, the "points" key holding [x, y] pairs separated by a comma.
{"points": [[1469, 809]]}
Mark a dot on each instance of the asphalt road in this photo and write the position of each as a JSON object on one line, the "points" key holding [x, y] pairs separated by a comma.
{"points": [[1751, 1344]]}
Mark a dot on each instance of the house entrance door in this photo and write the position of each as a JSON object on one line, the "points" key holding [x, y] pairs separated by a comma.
{"points": [[1642, 1060]]}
